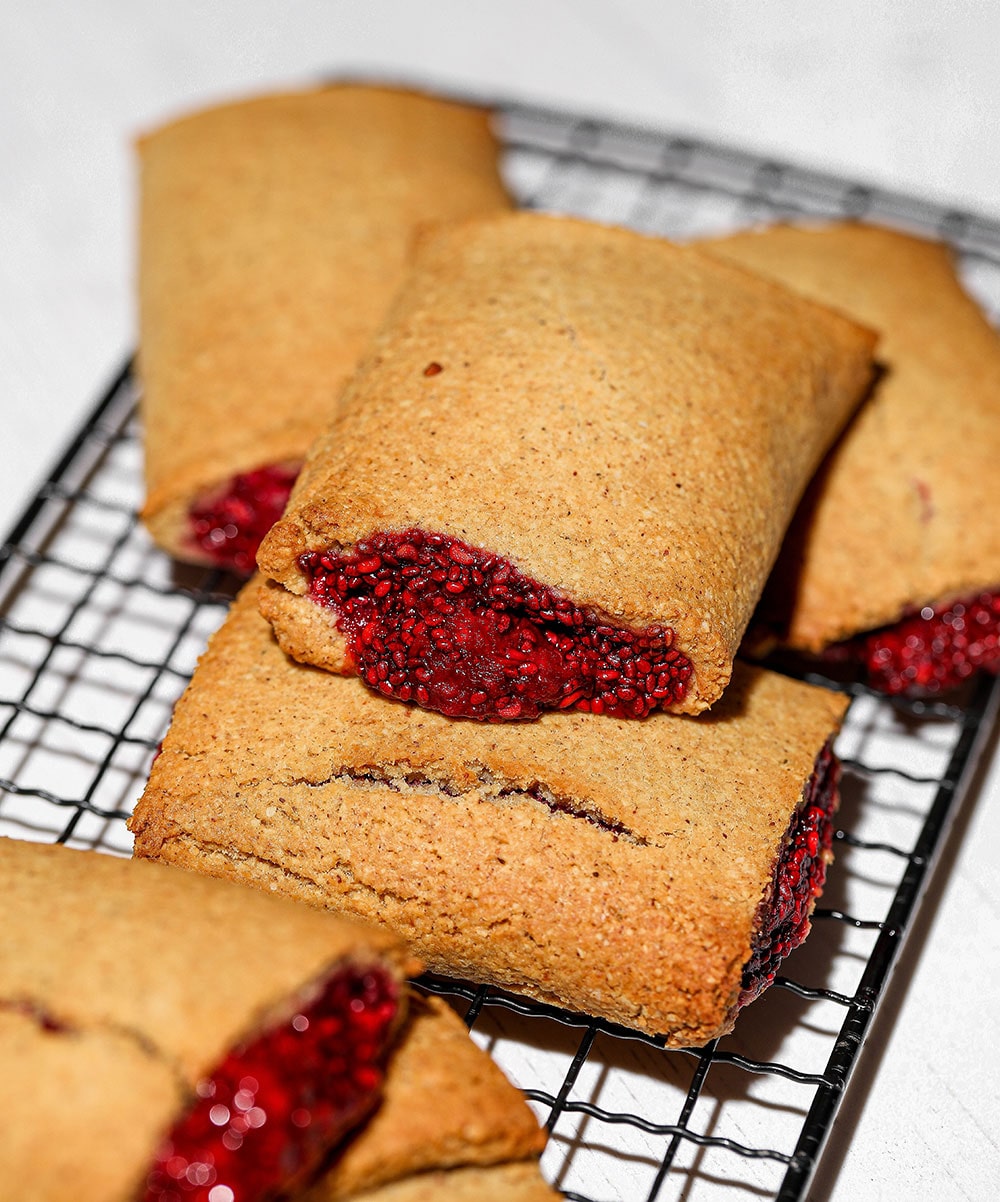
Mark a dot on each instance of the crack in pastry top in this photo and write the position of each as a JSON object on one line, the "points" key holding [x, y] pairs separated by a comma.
{"points": [[308, 884], [491, 789], [51, 1023]]}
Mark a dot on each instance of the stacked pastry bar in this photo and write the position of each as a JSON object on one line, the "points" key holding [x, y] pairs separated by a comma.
{"points": [[570, 448], [163, 1036]]}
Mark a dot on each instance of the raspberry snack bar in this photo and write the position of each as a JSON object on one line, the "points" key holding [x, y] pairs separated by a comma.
{"points": [[163, 1035], [448, 1118], [893, 559], [273, 233], [652, 873], [561, 475]]}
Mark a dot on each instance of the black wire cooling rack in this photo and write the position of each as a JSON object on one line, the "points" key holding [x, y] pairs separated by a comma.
{"points": [[99, 634]]}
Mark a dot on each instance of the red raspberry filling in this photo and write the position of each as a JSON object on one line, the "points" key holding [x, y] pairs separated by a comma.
{"points": [[230, 525], [798, 881], [929, 652], [454, 628], [275, 1106]]}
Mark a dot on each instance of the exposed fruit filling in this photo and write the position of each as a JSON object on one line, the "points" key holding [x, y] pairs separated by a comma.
{"points": [[275, 1106], [931, 651], [798, 879], [230, 525], [454, 628]]}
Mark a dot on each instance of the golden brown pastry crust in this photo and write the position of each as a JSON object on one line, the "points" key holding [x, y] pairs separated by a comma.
{"points": [[901, 514], [519, 1182], [273, 233], [105, 998], [71, 1108], [611, 866], [445, 1105], [629, 422]]}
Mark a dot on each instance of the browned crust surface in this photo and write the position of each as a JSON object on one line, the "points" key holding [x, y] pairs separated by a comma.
{"points": [[445, 1105], [520, 1182], [148, 975], [902, 514], [76, 1129], [611, 866], [273, 233], [629, 422]]}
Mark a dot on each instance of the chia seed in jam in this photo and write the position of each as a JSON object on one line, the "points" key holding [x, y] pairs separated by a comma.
{"points": [[798, 880], [929, 652], [230, 525], [274, 1108], [457, 629]]}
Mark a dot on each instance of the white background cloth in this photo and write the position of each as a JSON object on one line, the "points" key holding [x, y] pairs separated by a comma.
{"points": [[900, 94]]}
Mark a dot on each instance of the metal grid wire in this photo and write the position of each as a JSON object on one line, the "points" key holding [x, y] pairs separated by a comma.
{"points": [[99, 633]]}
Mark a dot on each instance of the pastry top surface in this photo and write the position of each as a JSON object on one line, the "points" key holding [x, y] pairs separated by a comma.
{"points": [[901, 514], [627, 421], [517, 1182], [186, 965], [273, 233], [444, 1104], [96, 1148], [489, 844]]}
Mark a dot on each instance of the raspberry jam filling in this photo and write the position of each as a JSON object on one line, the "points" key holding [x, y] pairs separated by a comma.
{"points": [[230, 525], [454, 628], [275, 1106], [929, 652], [798, 880]]}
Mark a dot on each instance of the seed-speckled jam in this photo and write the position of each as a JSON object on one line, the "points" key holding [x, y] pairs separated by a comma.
{"points": [[929, 652], [230, 525], [799, 879], [273, 1109], [454, 628]]}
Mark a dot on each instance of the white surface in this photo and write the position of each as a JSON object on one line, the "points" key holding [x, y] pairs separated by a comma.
{"points": [[906, 97]]}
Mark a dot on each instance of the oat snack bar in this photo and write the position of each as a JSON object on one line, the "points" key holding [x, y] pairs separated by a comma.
{"points": [[273, 233], [561, 476], [895, 542], [652, 873], [448, 1117], [158, 1026]]}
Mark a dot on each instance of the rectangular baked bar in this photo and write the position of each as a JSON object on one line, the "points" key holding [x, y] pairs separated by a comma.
{"points": [[571, 449], [273, 232], [901, 516], [625, 869]]}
